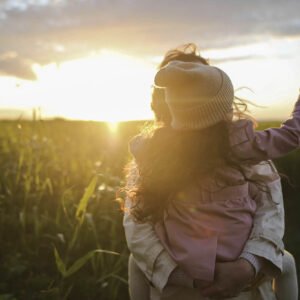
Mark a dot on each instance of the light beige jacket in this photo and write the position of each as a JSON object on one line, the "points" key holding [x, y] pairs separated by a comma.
{"points": [[265, 240]]}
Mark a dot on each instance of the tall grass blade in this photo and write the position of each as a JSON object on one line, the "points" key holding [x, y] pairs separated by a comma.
{"points": [[84, 200], [79, 263], [59, 263]]}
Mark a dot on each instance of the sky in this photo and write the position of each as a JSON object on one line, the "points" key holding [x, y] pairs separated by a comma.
{"points": [[97, 59]]}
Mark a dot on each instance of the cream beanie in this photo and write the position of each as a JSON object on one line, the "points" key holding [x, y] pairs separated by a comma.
{"points": [[198, 95]]}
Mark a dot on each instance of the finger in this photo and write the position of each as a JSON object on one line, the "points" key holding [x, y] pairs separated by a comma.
{"points": [[212, 291], [203, 284], [217, 291], [218, 294]]}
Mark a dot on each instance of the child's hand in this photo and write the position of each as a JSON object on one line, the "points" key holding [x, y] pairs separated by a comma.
{"points": [[230, 279], [201, 284]]}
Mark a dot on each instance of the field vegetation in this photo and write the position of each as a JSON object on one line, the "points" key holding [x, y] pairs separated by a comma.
{"points": [[61, 232]]}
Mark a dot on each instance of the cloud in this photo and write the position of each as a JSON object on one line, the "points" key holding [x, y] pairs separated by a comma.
{"points": [[44, 31], [13, 65]]}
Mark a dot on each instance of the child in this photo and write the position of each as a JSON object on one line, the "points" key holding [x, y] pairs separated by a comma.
{"points": [[208, 209]]}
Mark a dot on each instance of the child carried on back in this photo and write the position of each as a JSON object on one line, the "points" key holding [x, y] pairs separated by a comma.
{"points": [[195, 183]]}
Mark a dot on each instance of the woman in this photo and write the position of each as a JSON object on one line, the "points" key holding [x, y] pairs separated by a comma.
{"points": [[259, 253]]}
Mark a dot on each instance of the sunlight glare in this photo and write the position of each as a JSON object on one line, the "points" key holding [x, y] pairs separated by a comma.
{"points": [[106, 86], [113, 126], [267, 70], [112, 87]]}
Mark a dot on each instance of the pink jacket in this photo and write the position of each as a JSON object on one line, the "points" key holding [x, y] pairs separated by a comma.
{"points": [[213, 222], [208, 221]]}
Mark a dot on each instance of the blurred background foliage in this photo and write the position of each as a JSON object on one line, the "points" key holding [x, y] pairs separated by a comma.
{"points": [[61, 232]]}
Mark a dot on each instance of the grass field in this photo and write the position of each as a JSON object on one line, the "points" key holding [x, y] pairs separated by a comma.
{"points": [[61, 233]]}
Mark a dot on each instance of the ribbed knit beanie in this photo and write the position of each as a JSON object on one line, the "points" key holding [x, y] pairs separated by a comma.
{"points": [[198, 95]]}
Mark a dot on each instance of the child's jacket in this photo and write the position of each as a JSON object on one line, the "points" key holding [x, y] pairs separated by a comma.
{"points": [[213, 220]]}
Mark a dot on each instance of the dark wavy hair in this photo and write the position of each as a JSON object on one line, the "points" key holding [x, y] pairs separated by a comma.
{"points": [[171, 159]]}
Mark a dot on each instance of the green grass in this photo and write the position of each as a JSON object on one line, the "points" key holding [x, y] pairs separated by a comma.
{"points": [[60, 226], [61, 229]]}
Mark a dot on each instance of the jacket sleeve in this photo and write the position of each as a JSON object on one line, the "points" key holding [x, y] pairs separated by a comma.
{"points": [[256, 146], [146, 249], [266, 237]]}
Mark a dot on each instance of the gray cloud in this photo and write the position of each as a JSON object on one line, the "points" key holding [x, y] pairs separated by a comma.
{"points": [[44, 31], [13, 65]]}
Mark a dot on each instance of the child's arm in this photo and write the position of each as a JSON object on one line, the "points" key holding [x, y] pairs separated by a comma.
{"points": [[271, 143]]}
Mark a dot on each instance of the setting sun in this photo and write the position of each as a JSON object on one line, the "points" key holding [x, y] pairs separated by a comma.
{"points": [[105, 86], [113, 126]]}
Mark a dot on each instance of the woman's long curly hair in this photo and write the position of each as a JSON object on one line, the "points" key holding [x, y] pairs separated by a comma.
{"points": [[169, 159]]}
